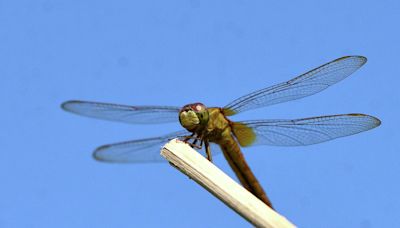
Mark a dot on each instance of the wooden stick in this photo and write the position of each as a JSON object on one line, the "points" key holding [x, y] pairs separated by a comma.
{"points": [[198, 168]]}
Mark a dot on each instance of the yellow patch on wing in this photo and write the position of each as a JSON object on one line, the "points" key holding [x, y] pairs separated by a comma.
{"points": [[228, 112], [244, 134]]}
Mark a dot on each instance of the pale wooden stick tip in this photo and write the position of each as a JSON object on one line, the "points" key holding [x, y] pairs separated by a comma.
{"points": [[199, 169]]}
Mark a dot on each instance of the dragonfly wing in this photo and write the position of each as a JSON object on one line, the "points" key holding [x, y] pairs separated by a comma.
{"points": [[304, 85], [123, 113], [309, 131], [135, 151]]}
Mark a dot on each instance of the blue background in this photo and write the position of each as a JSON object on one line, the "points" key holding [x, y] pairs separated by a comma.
{"points": [[177, 52]]}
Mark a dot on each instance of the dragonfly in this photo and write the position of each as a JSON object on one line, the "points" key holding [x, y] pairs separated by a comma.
{"points": [[209, 127]]}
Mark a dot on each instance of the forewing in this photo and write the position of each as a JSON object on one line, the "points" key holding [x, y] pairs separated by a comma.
{"points": [[304, 85], [301, 132], [135, 151], [123, 113]]}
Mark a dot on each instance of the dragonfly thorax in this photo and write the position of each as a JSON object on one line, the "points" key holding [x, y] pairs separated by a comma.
{"points": [[194, 116]]}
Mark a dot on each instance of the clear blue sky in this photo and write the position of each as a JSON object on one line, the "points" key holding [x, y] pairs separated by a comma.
{"points": [[178, 52]]}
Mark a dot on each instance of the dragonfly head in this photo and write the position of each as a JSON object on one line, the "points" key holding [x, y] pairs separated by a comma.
{"points": [[193, 116]]}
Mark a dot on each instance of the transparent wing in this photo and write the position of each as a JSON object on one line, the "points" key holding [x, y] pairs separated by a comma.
{"points": [[123, 113], [135, 151], [304, 85], [308, 131]]}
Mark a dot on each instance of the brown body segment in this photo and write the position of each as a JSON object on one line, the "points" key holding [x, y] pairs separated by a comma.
{"points": [[221, 131]]}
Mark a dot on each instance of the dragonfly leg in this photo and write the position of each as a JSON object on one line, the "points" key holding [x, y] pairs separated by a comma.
{"points": [[195, 138], [201, 142], [194, 144], [186, 139], [208, 151]]}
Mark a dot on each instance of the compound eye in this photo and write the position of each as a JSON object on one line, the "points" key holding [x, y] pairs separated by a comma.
{"points": [[199, 107]]}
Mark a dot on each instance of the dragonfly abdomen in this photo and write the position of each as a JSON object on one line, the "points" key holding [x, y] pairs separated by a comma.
{"points": [[236, 160]]}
